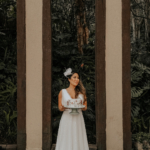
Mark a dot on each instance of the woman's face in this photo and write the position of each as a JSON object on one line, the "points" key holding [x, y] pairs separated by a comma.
{"points": [[74, 79]]}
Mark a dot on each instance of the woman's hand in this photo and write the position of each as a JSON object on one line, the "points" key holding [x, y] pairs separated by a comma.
{"points": [[85, 104], [63, 108]]}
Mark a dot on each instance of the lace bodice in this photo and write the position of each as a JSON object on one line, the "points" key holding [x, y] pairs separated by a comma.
{"points": [[66, 97]]}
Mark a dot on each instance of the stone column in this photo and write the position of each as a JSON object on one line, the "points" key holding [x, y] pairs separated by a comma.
{"points": [[34, 74], [117, 76], [114, 131]]}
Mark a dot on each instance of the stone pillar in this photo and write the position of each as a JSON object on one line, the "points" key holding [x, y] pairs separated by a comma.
{"points": [[117, 75], [34, 74], [114, 130], [21, 76]]}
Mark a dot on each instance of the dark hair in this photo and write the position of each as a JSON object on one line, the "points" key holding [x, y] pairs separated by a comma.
{"points": [[79, 88]]}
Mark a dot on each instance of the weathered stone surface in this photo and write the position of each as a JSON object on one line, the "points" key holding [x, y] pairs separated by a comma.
{"points": [[47, 76], [21, 76], [100, 74], [126, 77]]}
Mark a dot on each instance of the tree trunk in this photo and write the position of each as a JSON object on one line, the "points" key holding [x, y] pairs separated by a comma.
{"points": [[133, 27]]}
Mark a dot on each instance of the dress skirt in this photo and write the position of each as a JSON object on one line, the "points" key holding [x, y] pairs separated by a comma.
{"points": [[72, 132]]}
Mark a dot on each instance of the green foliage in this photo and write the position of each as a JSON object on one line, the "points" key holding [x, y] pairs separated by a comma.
{"points": [[65, 54], [8, 67], [140, 137], [140, 66], [140, 102]]}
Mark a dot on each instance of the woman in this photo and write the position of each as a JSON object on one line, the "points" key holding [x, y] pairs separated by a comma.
{"points": [[72, 132]]}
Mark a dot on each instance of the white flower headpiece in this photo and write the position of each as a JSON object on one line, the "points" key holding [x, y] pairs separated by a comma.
{"points": [[68, 72]]}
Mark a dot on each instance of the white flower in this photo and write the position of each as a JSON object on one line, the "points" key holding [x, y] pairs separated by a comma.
{"points": [[68, 72]]}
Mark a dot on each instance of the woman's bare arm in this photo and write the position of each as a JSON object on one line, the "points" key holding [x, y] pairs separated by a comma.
{"points": [[85, 108], [60, 106]]}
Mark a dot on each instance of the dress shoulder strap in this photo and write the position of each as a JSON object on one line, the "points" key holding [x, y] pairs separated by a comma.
{"points": [[65, 97]]}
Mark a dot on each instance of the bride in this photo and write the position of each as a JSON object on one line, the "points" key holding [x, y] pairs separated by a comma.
{"points": [[71, 131]]}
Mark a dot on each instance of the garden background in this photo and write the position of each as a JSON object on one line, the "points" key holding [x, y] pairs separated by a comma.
{"points": [[66, 53]]}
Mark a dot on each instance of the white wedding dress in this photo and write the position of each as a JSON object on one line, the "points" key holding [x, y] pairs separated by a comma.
{"points": [[71, 131]]}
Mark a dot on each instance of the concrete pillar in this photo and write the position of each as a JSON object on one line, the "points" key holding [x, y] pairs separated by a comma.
{"points": [[34, 74], [113, 58]]}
